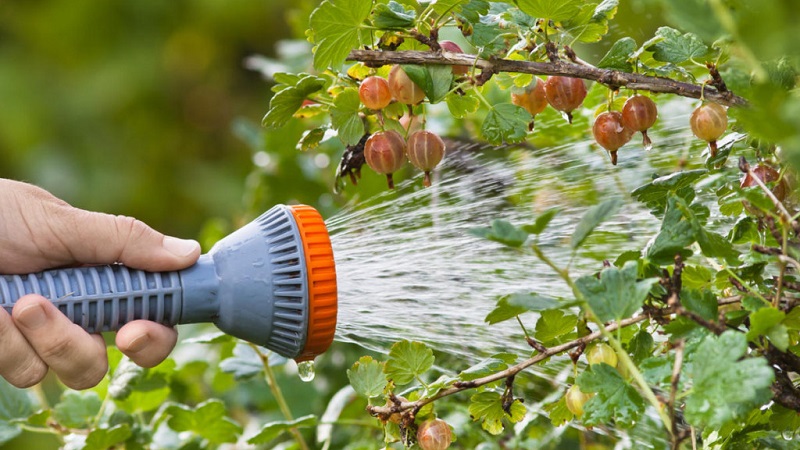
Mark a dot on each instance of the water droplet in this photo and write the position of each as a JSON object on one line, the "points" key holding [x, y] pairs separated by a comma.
{"points": [[788, 435], [306, 370], [648, 146]]}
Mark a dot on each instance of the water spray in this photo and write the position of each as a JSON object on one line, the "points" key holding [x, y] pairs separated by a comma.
{"points": [[272, 283]]}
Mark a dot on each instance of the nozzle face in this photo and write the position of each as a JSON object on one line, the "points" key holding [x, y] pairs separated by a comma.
{"points": [[276, 283]]}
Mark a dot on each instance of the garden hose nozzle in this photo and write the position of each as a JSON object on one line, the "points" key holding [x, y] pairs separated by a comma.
{"points": [[272, 283]]}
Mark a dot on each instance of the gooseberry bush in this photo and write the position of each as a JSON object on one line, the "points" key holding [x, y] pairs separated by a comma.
{"points": [[697, 330], [695, 334]]}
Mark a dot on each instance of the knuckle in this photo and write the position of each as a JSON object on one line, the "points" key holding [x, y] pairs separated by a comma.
{"points": [[61, 348], [27, 375]]}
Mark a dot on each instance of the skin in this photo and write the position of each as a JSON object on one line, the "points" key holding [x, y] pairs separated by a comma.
{"points": [[38, 232]]}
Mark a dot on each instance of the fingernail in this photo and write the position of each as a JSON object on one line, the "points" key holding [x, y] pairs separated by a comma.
{"points": [[139, 343], [179, 247], [32, 316]]}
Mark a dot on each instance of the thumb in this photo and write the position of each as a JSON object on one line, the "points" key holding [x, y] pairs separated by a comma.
{"points": [[97, 238]]}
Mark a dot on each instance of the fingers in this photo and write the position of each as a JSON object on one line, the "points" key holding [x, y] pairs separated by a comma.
{"points": [[77, 357], [97, 238], [146, 343], [19, 363]]}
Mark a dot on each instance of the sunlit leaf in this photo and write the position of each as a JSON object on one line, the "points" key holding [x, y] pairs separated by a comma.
{"points": [[488, 408], [335, 26], [207, 420], [617, 294], [407, 360], [367, 378]]}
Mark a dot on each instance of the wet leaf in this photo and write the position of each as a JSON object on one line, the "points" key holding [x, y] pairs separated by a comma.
{"points": [[488, 366], [717, 365], [274, 429], [593, 217], [488, 408], [617, 294]]}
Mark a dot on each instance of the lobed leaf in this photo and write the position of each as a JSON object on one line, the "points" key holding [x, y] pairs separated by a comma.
{"points": [[505, 122], [676, 48], [615, 399], [335, 26], [718, 364], [207, 420], [617, 294], [408, 360], [367, 378], [488, 408]]}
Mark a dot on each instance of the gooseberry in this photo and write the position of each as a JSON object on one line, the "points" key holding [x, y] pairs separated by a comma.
{"points": [[639, 114], [434, 435], [533, 98], [403, 89], [610, 133], [575, 399], [425, 150], [451, 46], [709, 121], [565, 94], [384, 152], [766, 174], [374, 92], [602, 353]]}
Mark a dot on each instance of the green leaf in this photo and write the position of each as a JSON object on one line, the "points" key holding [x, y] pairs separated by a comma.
{"points": [[408, 360], [676, 48], [510, 306], [555, 327], [641, 346], [488, 408], [434, 80], [148, 392], [207, 420], [125, 377], [558, 412], [593, 217], [618, 56], [556, 10], [274, 429], [311, 138], [676, 234], [769, 322], [503, 232], [488, 366], [104, 438], [15, 404], [462, 105], [77, 409], [541, 222], [335, 25], [507, 123], [617, 294], [717, 366], [217, 337], [703, 303], [616, 400], [393, 15], [286, 102], [696, 277], [367, 378], [344, 117], [655, 193], [245, 362]]}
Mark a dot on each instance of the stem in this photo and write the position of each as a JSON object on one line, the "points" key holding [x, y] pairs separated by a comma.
{"points": [[278, 394], [612, 78]]}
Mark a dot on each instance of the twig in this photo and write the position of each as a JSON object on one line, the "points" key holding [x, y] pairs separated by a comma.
{"points": [[511, 371], [613, 78], [676, 377], [745, 167]]}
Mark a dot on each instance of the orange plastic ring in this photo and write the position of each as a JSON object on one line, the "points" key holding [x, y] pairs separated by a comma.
{"points": [[322, 292]]}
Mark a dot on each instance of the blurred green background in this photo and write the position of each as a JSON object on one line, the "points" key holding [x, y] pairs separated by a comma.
{"points": [[128, 107]]}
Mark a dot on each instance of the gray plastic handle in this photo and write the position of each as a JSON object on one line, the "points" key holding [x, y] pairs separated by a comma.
{"points": [[101, 298], [253, 284]]}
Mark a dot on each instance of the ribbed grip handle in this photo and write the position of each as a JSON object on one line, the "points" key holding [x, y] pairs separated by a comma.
{"points": [[101, 298]]}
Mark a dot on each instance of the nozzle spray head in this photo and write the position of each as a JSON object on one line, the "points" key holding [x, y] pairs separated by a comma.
{"points": [[272, 283]]}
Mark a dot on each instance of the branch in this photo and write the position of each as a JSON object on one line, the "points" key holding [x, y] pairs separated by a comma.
{"points": [[614, 79], [511, 371]]}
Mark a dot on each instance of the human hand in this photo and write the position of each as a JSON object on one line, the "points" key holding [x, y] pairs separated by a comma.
{"points": [[37, 232]]}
